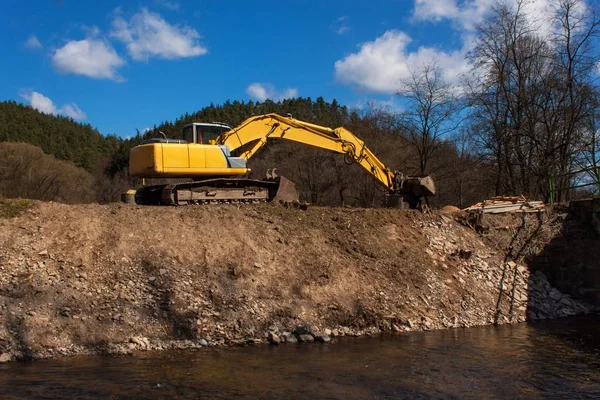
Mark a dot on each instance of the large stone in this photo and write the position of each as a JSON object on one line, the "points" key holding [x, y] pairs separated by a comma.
{"points": [[289, 338], [140, 341], [301, 330], [5, 357], [305, 338], [273, 338], [321, 337]]}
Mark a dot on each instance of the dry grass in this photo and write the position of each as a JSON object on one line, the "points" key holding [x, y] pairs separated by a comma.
{"points": [[11, 208]]}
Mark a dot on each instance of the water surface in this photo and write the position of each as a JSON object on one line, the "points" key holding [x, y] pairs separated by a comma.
{"points": [[549, 359]]}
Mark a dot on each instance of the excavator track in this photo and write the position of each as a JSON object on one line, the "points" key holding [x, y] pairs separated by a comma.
{"points": [[218, 191]]}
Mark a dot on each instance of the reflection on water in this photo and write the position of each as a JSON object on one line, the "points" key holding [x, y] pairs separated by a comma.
{"points": [[551, 359]]}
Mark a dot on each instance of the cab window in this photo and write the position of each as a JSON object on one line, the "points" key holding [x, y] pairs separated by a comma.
{"points": [[209, 133], [188, 134]]}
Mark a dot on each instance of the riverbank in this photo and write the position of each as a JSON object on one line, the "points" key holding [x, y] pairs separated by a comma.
{"points": [[115, 279]]}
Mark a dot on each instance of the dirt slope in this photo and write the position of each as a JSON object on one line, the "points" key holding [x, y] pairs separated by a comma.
{"points": [[116, 278]]}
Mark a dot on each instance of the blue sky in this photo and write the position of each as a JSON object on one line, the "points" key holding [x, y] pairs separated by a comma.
{"points": [[122, 65]]}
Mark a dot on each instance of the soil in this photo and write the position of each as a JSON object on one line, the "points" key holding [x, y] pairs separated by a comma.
{"points": [[118, 278]]}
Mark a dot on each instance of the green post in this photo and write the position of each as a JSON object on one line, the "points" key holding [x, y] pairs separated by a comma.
{"points": [[551, 187]]}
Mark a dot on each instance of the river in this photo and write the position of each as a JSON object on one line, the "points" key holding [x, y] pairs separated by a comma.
{"points": [[547, 359]]}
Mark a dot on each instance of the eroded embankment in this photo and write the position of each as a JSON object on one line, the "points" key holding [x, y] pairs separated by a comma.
{"points": [[89, 278]]}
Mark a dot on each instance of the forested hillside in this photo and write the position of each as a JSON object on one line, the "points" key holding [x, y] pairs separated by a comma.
{"points": [[60, 136]]}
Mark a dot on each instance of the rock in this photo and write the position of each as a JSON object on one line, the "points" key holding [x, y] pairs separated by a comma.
{"points": [[203, 342], [304, 338], [540, 275], [583, 309], [273, 338], [327, 332], [301, 330], [140, 341], [555, 294], [5, 357], [569, 312], [541, 315], [566, 301], [43, 253], [289, 338], [323, 338]]}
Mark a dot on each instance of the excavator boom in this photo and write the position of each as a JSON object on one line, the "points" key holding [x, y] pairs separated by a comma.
{"points": [[253, 134], [212, 166]]}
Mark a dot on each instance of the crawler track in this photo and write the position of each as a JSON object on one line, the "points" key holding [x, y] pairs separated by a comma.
{"points": [[214, 191]]}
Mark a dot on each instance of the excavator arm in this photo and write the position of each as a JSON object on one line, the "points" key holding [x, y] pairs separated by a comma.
{"points": [[254, 132]]}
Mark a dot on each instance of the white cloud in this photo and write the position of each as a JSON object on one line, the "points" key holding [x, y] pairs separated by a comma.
{"points": [[381, 65], [39, 102], [91, 31], [435, 10], [170, 4], [148, 35], [340, 25], [89, 57], [263, 91], [47, 106], [342, 29], [72, 110], [468, 13], [33, 43]]}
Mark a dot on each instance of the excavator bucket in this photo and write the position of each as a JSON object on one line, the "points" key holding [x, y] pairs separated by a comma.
{"points": [[286, 189], [417, 186], [424, 186]]}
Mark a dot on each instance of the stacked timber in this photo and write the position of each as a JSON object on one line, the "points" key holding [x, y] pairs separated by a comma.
{"points": [[507, 204]]}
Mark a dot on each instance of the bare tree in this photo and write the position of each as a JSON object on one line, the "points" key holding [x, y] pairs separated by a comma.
{"points": [[533, 94], [432, 108], [577, 107], [588, 156]]}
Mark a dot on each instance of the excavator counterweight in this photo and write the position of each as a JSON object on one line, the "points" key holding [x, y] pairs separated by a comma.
{"points": [[204, 157]]}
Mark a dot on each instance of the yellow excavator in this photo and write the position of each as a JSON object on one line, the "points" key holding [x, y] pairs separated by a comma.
{"points": [[212, 158]]}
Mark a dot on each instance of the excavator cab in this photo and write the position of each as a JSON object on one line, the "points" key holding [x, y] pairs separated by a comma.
{"points": [[203, 133]]}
